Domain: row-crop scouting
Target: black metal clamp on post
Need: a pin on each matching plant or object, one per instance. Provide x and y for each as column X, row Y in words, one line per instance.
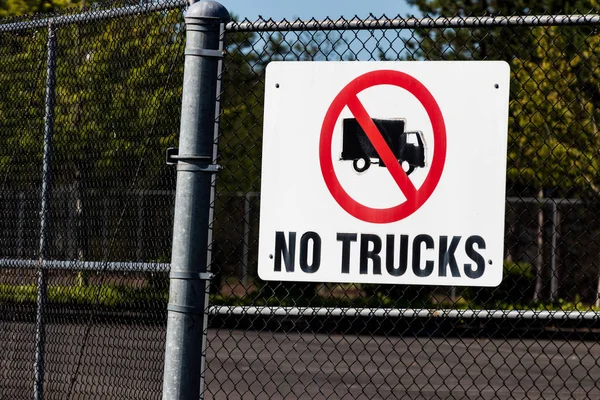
column 188, row 293
column 194, row 162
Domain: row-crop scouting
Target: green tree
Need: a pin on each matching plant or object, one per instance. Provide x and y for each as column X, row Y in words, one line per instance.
column 486, row 42
column 118, row 101
column 11, row 8
column 554, row 116
column 240, row 136
column 555, row 111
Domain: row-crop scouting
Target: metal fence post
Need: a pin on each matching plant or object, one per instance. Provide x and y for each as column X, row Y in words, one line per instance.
column 189, row 279
column 40, row 331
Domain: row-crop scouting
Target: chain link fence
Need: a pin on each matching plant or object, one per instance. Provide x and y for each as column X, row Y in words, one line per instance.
column 91, row 100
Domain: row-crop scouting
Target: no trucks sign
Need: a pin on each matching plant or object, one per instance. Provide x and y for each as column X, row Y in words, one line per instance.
column 384, row 172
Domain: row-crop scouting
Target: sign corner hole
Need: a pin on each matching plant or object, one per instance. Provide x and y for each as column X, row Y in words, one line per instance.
column 495, row 85
column 277, row 85
column 490, row 262
column 271, row 256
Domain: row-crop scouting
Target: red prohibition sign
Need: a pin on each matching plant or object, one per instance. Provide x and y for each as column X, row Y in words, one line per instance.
column 415, row 198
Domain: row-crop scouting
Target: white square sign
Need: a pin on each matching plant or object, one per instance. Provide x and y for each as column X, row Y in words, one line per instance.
column 384, row 172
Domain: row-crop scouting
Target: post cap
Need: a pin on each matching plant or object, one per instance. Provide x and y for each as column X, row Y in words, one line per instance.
column 207, row 9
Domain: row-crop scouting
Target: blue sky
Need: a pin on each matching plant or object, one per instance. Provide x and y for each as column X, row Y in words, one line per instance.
column 319, row 9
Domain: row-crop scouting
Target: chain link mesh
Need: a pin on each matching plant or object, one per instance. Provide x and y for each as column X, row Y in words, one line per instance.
column 110, row 200
column 119, row 71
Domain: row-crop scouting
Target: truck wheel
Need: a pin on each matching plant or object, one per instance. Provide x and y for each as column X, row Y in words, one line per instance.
column 366, row 164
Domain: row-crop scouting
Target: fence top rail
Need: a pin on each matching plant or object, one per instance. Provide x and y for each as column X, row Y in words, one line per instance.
column 263, row 25
column 355, row 23
column 92, row 15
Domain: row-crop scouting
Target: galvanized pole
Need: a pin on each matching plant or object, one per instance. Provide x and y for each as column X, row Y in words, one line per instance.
column 40, row 331
column 189, row 279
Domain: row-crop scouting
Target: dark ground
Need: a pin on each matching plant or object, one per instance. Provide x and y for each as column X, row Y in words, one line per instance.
column 121, row 361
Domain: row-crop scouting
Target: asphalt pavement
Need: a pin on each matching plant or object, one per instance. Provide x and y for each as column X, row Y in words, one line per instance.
column 118, row 361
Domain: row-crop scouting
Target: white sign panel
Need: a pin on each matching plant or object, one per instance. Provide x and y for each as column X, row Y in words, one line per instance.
column 384, row 172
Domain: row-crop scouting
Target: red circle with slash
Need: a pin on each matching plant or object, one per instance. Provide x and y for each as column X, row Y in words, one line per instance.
column 415, row 198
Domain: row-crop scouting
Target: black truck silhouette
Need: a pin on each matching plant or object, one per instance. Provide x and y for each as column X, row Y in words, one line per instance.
column 357, row 147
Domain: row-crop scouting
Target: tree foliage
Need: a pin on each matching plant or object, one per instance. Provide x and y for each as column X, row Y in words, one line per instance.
column 23, row 77
column 118, row 104
column 553, row 107
column 10, row 8
column 554, row 113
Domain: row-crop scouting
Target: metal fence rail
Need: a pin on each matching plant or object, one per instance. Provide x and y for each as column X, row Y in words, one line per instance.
column 92, row 99
column 89, row 17
column 403, row 313
column 411, row 23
